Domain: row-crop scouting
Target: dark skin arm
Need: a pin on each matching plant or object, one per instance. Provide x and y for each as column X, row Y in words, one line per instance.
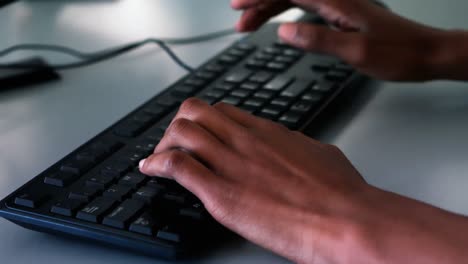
column 298, row 197
column 295, row 196
column 374, row 40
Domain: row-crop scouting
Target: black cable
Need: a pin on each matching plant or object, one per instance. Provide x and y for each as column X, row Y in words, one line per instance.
column 94, row 57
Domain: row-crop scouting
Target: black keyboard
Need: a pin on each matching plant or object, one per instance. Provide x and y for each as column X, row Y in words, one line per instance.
column 97, row 191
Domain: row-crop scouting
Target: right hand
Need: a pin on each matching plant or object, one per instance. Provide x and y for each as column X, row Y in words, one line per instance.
column 372, row 39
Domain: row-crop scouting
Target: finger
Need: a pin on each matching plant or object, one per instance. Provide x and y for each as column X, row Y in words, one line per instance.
column 209, row 118
column 254, row 17
column 185, row 134
column 184, row 169
column 245, row 4
column 247, row 120
column 345, row 45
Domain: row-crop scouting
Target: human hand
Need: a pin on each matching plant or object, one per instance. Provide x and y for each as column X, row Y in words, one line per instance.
column 275, row 187
column 374, row 40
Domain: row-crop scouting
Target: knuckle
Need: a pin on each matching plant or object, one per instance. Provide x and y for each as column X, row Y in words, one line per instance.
column 179, row 127
column 190, row 105
column 173, row 161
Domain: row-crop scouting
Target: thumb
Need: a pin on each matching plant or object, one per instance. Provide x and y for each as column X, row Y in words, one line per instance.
column 345, row 45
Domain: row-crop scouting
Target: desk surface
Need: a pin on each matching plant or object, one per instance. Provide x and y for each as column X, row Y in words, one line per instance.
column 407, row 138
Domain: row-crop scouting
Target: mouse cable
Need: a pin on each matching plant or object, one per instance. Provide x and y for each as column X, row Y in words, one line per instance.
column 88, row 58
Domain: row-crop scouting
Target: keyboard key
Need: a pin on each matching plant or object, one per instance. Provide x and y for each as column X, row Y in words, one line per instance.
column 171, row 233
column 225, row 86
column 208, row 99
column 117, row 192
column 236, row 52
column 121, row 215
column 99, row 181
column 196, row 211
column 156, row 183
column 282, row 101
column 296, row 89
column 146, row 146
column 250, row 86
column 285, row 59
column 255, row 102
column 312, row 97
column 256, row 64
column 279, row 83
column 215, row 68
column 302, row 106
column 277, row 66
column 264, row 56
column 130, row 128
column 132, row 157
column 206, row 75
column 146, row 194
column 272, row 50
column 145, row 224
column 115, row 169
column 249, row 109
column 246, row 46
column 31, row 200
column 94, row 211
column 273, row 111
column 232, row 100
column 323, row 86
column 321, row 67
column 83, row 193
column 292, row 53
column 155, row 110
column 67, row 207
column 264, row 94
column 184, row 91
column 261, row 77
column 133, row 179
column 291, row 119
column 215, row 93
column 337, row 76
column 195, row 82
column 238, row 76
column 175, row 197
column 60, row 179
column 241, row 93
column 77, row 167
column 228, row 60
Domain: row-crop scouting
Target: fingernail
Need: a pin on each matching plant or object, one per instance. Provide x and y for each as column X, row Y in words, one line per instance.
column 288, row 32
column 142, row 163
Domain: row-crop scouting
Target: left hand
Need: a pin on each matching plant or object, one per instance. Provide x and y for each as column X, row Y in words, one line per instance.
column 275, row 187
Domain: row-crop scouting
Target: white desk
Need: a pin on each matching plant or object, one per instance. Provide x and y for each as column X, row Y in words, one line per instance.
column 408, row 138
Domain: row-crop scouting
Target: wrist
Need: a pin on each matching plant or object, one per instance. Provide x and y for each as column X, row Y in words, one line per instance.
column 450, row 58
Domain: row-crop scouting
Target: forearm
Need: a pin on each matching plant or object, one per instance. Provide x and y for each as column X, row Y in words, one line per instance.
column 388, row 228
column 451, row 59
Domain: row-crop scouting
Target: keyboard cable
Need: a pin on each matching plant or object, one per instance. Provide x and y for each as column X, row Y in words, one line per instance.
column 88, row 58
